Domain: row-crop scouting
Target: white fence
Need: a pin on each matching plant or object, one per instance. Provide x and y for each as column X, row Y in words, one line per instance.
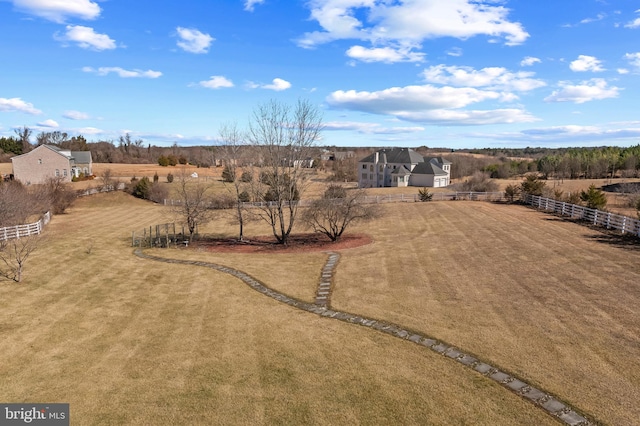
column 18, row 231
column 392, row 198
column 597, row 217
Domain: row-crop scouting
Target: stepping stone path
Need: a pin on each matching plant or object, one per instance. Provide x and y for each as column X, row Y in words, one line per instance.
column 323, row 294
column 538, row 397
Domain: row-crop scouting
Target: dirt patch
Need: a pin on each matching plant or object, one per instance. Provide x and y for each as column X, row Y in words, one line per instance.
column 298, row 243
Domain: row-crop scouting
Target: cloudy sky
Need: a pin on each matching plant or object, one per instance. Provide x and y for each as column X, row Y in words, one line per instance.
column 455, row 73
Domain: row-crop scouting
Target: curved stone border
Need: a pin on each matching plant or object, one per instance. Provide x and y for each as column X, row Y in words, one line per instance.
column 540, row 398
column 323, row 294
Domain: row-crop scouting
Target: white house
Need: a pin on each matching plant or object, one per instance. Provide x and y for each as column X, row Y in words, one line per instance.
column 397, row 167
column 46, row 161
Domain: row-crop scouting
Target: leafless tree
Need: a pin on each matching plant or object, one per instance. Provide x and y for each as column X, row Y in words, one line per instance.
column 16, row 204
column 108, row 181
column 24, row 135
column 331, row 216
column 14, row 254
column 233, row 150
column 193, row 208
column 285, row 138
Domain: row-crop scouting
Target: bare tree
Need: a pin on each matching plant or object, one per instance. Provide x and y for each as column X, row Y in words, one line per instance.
column 285, row 137
column 16, row 204
column 193, row 208
column 108, row 181
column 24, row 135
column 331, row 216
column 233, row 149
column 14, row 254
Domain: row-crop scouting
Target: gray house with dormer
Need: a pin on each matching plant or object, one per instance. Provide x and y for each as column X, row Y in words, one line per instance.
column 398, row 167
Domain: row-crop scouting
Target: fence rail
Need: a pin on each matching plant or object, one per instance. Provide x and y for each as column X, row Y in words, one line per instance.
column 391, row 198
column 19, row 231
column 608, row 220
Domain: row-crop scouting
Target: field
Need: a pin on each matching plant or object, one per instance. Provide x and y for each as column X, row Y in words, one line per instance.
column 127, row 340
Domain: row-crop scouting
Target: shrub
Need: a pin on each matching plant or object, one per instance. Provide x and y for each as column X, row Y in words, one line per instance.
column 170, row 178
column 228, row 175
column 156, row 178
column 246, row 176
column 511, row 192
column 425, row 195
column 172, row 160
column 182, row 160
column 163, row 161
column 142, row 188
column 158, row 192
column 479, row 182
column 532, row 185
column 335, row 191
column 594, row 197
column 244, row 197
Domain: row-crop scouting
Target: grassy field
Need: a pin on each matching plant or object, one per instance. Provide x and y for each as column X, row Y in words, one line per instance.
column 129, row 341
column 552, row 301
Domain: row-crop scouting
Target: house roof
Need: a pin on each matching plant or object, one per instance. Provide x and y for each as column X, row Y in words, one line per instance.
column 401, row 171
column 394, row 155
column 428, row 168
column 440, row 160
column 83, row 157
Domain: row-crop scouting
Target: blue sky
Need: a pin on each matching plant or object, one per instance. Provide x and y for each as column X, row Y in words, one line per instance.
column 455, row 73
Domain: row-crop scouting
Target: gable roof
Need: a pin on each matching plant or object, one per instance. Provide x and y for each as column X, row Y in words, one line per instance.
column 428, row 168
column 403, row 171
column 394, row 155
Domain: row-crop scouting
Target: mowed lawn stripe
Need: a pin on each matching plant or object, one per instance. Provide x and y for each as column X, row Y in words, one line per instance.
column 127, row 341
column 538, row 296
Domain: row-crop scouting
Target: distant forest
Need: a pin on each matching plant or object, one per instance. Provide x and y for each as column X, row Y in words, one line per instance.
column 559, row 163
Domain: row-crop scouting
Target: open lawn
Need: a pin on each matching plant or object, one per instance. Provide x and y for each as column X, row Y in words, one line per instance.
column 129, row 341
column 552, row 301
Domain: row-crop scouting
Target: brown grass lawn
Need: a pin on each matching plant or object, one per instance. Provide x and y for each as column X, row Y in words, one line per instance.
column 130, row 341
column 552, row 301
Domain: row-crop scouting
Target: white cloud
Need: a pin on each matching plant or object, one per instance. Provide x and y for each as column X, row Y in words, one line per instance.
column 121, row 72
column 495, row 78
column 455, row 51
column 17, row 104
column 409, row 23
column 59, row 10
column 49, row 123
column 76, row 115
column 86, row 38
column 599, row 17
column 369, row 128
column 634, row 60
column 529, row 60
column 216, row 82
column 623, row 71
column 194, row 41
column 572, row 134
column 249, row 5
column 447, row 117
column 635, row 23
column 594, row 89
column 277, row 84
column 586, row 63
column 384, row 54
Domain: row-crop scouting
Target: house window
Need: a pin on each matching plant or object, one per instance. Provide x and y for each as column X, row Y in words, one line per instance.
column 394, row 167
column 86, row 171
column 364, row 176
column 381, row 167
column 39, row 160
column 64, row 172
column 371, row 167
column 57, row 172
column 364, row 167
column 370, row 177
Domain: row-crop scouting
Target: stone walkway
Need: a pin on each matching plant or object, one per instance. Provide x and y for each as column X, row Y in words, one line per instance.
column 538, row 397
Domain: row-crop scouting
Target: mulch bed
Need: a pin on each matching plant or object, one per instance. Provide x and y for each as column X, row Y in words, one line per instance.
column 297, row 243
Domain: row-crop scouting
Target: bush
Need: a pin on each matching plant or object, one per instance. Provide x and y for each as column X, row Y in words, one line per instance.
column 425, row 195
column 246, row 177
column 228, row 175
column 170, row 178
column 142, row 188
column 244, row 197
column 479, row 182
column 335, row 191
column 594, row 198
column 511, row 192
column 156, row 178
column 163, row 161
column 158, row 193
column 532, row 185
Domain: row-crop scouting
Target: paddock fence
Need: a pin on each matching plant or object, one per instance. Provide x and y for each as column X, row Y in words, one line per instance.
column 381, row 199
column 19, row 231
column 162, row 235
column 625, row 224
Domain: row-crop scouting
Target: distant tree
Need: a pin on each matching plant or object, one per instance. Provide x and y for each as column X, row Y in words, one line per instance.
column 228, row 174
column 24, row 136
column 169, row 177
column 532, row 185
column 424, row 194
column 163, row 161
column 10, row 145
column 156, row 178
column 332, row 216
column 594, row 198
column 193, row 209
column 108, row 182
column 511, row 192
